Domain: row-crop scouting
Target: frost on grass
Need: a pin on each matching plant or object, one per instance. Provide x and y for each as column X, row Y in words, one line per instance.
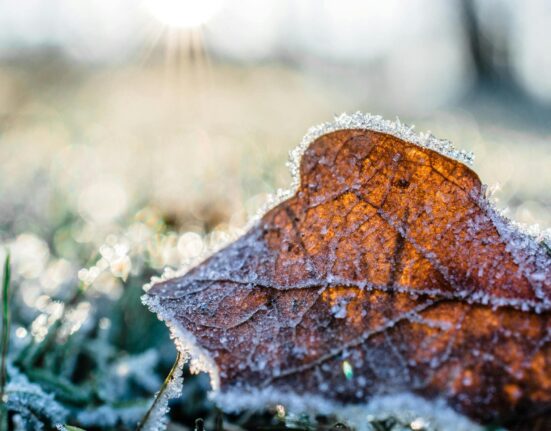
column 132, row 370
column 108, row 416
column 386, row 274
column 34, row 408
column 406, row 408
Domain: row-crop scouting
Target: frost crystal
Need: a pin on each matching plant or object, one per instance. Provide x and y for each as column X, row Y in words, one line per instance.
column 361, row 121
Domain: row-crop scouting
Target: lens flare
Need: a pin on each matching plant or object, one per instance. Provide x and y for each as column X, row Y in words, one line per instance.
column 184, row 14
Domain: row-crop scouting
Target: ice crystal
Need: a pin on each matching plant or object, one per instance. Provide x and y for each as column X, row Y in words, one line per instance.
column 361, row 121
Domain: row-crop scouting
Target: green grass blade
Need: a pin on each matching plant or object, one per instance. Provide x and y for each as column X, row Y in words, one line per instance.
column 5, row 338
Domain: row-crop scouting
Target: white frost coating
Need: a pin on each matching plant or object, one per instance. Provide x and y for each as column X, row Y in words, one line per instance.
column 376, row 123
column 405, row 407
column 526, row 240
column 186, row 343
column 190, row 351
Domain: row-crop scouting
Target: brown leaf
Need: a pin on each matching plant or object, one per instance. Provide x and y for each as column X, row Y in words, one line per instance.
column 387, row 272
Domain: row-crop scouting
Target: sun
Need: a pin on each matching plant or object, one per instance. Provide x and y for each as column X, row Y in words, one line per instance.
column 184, row 14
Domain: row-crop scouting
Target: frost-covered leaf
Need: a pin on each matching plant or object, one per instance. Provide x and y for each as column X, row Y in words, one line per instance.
column 386, row 276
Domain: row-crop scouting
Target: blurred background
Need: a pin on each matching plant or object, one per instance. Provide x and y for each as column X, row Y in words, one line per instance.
column 135, row 134
column 191, row 106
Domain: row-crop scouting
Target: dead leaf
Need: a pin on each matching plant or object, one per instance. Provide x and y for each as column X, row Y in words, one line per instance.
column 387, row 272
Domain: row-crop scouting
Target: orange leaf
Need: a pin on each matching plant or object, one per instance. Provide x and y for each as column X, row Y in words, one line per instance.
column 386, row 273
